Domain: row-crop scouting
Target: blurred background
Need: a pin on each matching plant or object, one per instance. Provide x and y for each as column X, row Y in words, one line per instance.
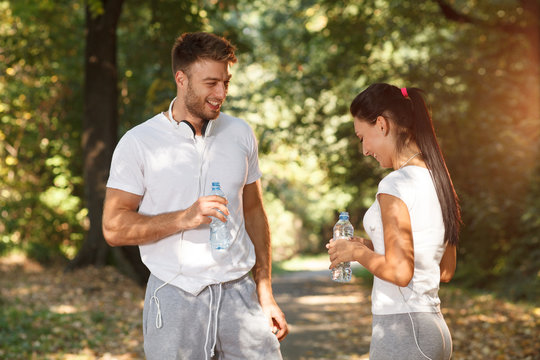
column 75, row 75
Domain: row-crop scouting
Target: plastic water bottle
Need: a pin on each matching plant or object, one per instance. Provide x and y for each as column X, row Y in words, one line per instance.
column 220, row 236
column 343, row 230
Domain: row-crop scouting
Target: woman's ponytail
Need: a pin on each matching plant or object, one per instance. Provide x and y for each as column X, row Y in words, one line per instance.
column 424, row 134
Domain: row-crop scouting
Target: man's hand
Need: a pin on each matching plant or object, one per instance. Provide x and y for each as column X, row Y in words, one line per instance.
column 276, row 318
column 123, row 225
column 199, row 213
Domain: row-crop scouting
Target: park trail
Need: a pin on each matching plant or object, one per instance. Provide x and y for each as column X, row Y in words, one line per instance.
column 66, row 316
column 327, row 320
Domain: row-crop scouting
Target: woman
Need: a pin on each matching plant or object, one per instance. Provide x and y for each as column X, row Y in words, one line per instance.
column 413, row 225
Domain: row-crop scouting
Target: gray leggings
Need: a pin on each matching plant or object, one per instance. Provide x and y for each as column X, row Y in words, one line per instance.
column 393, row 337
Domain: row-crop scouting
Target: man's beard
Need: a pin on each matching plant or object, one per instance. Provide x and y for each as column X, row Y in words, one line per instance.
column 197, row 106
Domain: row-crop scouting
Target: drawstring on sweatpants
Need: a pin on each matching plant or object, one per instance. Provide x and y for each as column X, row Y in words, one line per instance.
column 159, row 321
column 210, row 321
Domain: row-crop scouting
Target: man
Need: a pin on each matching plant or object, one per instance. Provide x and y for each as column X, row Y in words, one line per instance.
column 200, row 302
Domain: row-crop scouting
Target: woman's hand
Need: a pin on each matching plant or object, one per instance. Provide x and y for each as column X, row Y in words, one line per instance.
column 342, row 250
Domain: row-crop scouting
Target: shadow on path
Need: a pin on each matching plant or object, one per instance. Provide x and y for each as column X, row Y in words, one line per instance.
column 327, row 320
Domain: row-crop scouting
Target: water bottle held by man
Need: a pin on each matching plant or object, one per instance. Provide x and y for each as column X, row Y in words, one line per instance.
column 220, row 235
column 343, row 230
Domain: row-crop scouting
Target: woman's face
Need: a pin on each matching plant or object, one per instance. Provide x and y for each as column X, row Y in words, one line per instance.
column 375, row 140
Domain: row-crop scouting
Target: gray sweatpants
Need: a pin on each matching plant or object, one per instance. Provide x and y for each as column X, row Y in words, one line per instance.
column 178, row 325
column 393, row 337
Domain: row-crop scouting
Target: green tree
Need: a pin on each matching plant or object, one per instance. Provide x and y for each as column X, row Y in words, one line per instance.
column 479, row 66
column 100, row 120
column 494, row 78
column 40, row 188
column 145, row 48
column 48, row 209
column 300, row 64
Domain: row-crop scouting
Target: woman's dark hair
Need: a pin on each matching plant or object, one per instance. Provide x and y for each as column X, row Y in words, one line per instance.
column 191, row 47
column 411, row 117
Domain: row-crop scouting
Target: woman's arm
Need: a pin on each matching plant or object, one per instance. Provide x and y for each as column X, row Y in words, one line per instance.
column 448, row 263
column 397, row 264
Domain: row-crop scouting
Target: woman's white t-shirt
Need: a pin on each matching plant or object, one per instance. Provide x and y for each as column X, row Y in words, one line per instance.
column 414, row 186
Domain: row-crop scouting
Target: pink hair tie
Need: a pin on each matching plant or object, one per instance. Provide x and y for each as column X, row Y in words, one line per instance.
column 404, row 92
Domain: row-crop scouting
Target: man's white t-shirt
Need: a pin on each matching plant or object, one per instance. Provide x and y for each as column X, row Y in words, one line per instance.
column 168, row 166
column 414, row 186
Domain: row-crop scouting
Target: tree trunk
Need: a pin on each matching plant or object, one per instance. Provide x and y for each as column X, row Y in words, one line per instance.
column 100, row 127
column 532, row 9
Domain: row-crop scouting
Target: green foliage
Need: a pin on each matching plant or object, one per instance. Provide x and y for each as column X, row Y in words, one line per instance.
column 95, row 7
column 146, row 33
column 289, row 90
column 300, row 64
column 520, row 268
column 310, row 58
column 480, row 91
column 40, row 69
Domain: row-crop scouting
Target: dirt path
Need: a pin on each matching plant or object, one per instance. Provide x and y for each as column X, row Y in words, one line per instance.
column 92, row 313
column 327, row 320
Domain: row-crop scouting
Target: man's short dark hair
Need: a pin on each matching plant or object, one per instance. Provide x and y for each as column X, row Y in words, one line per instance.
column 191, row 47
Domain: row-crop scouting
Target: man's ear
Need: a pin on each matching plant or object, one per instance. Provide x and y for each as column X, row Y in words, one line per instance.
column 180, row 78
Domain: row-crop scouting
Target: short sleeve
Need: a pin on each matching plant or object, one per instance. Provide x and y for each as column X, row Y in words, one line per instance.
column 398, row 185
column 254, row 172
column 127, row 170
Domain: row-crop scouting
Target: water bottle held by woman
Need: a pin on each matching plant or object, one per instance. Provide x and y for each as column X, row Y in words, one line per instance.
column 343, row 230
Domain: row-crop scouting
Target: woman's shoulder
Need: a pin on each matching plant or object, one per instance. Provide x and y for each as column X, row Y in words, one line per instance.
column 411, row 173
column 405, row 180
column 398, row 176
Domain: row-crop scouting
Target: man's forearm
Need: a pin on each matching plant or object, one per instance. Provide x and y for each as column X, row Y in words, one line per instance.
column 131, row 228
column 259, row 232
column 123, row 225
